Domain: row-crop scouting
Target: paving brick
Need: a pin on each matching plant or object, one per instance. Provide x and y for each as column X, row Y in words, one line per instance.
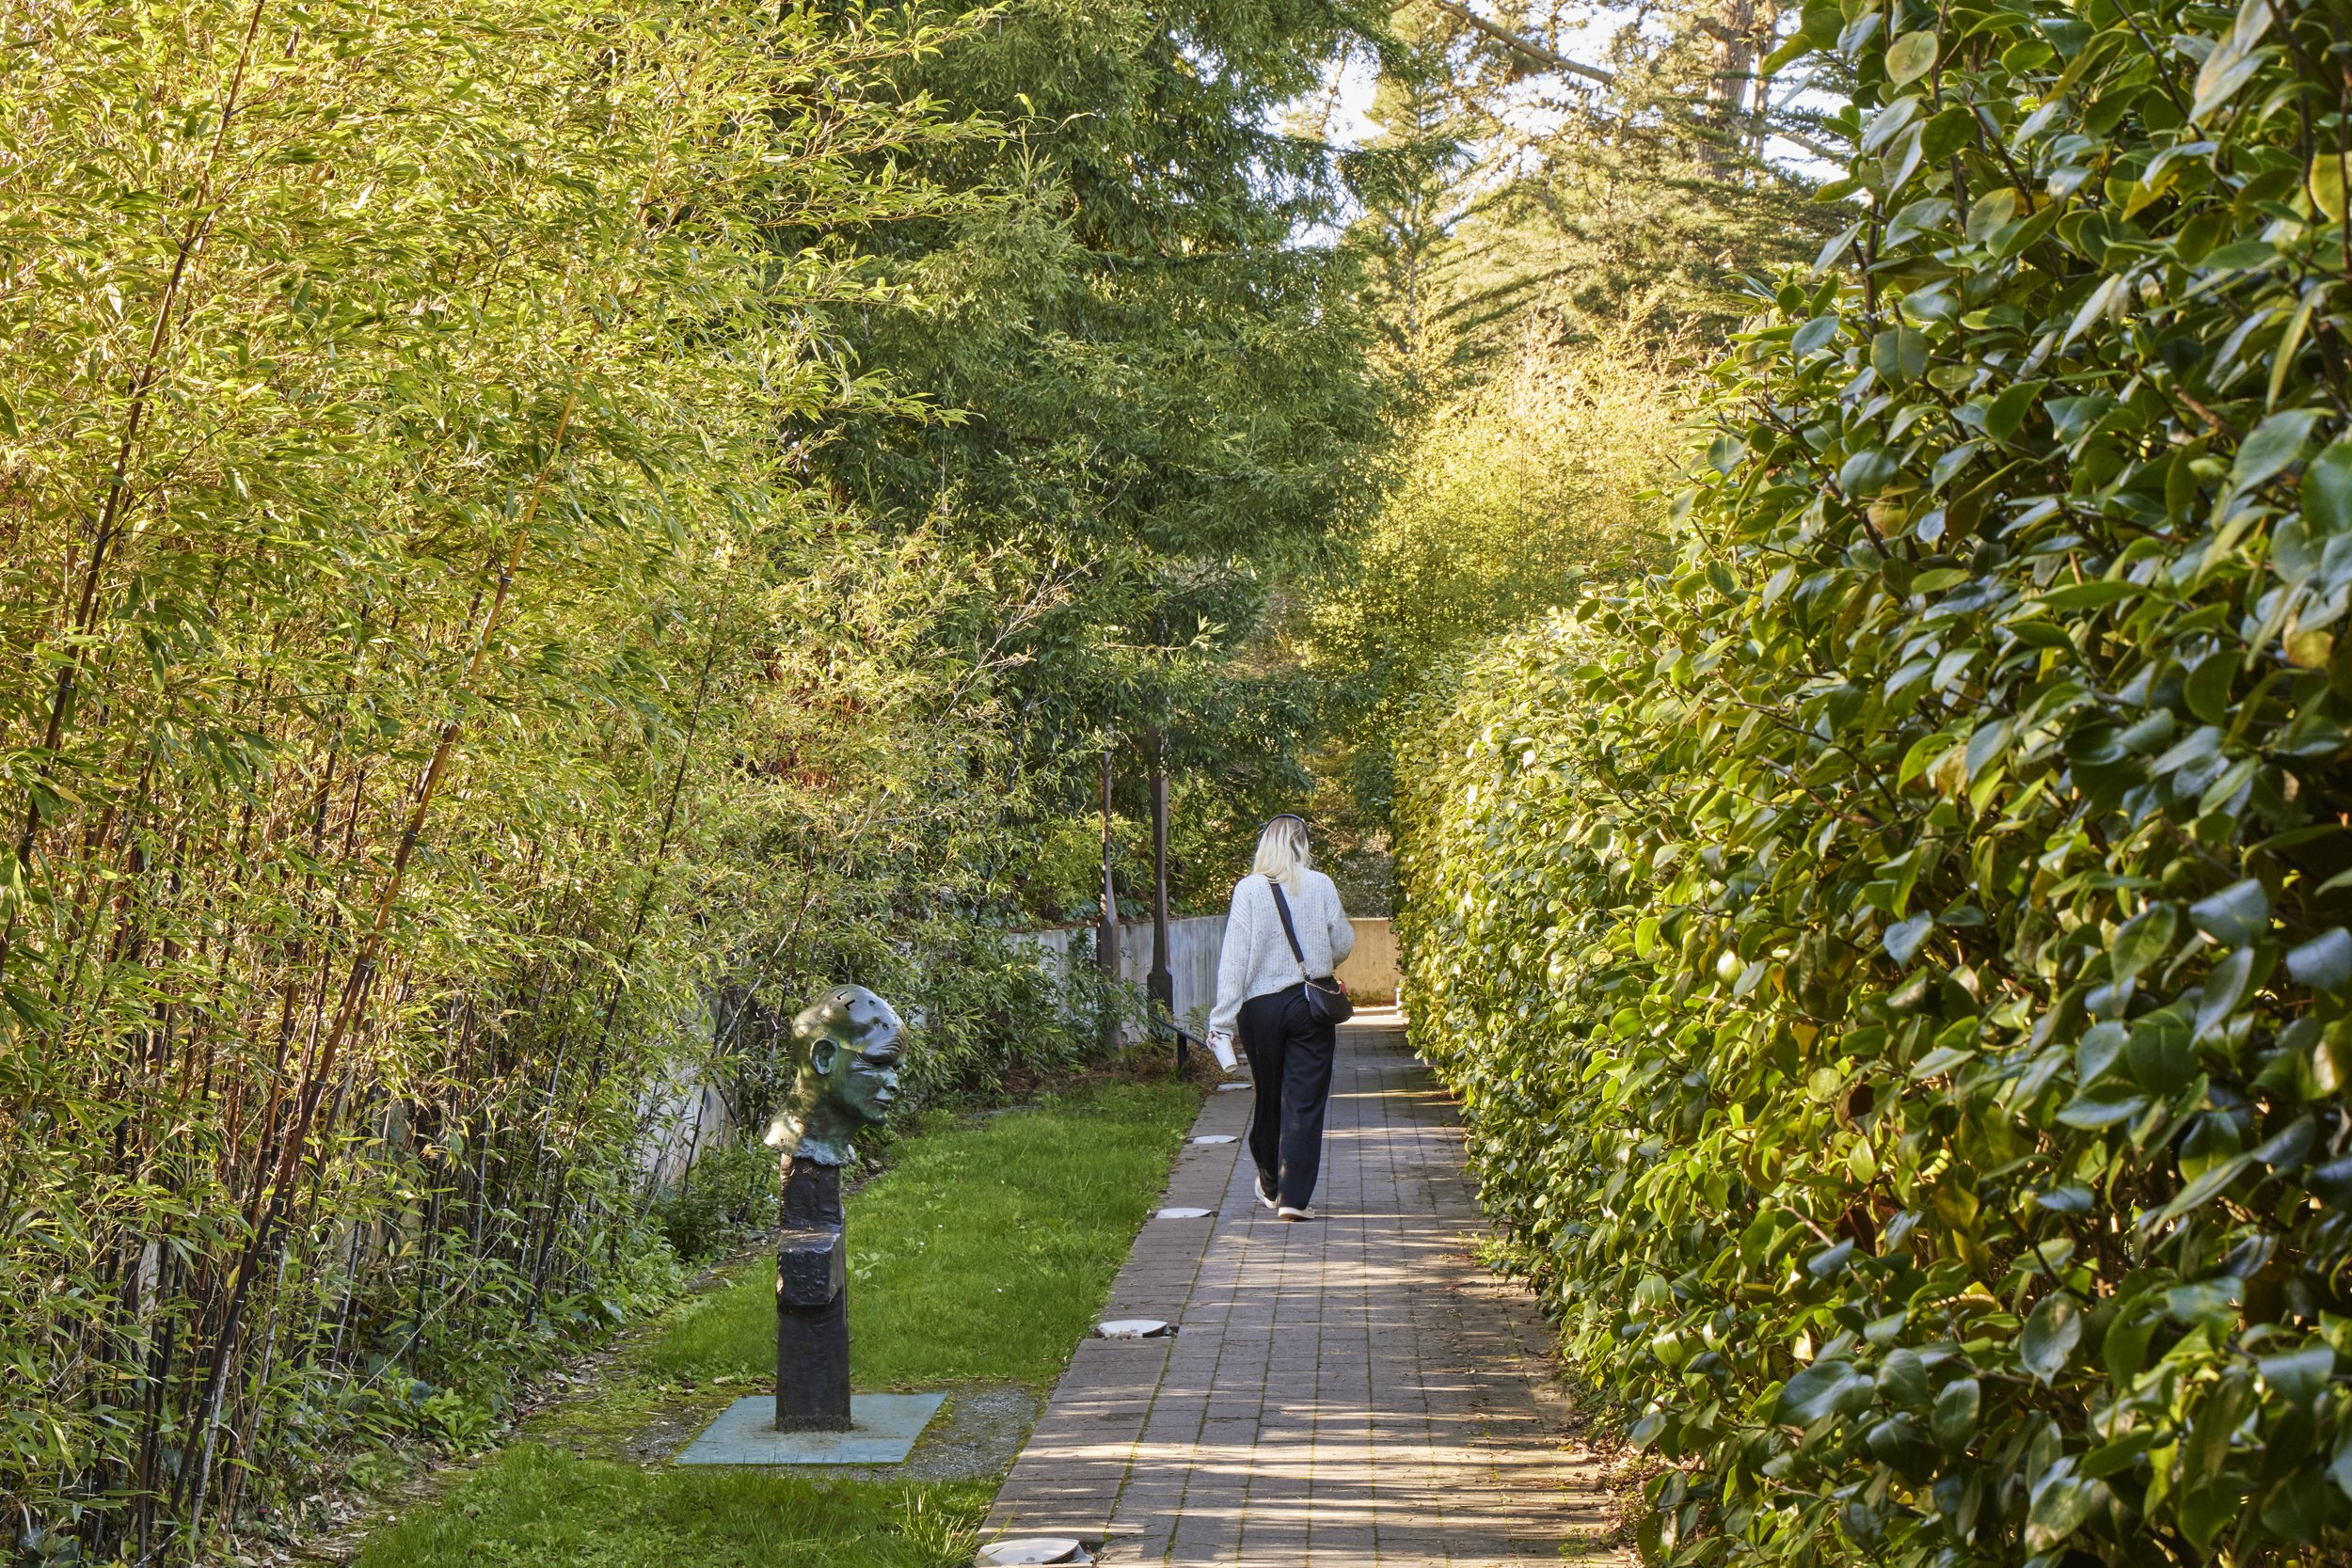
column 1353, row 1392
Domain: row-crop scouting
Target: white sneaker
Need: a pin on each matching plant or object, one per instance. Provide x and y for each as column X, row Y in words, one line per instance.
column 1290, row 1213
column 1264, row 1197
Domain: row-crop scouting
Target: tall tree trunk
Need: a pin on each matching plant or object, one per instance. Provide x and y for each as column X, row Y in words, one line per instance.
column 1734, row 31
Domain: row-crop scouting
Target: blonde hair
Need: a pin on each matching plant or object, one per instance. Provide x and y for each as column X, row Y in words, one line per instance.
column 1282, row 852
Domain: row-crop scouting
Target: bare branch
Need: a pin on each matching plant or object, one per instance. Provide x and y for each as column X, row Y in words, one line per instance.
column 1527, row 48
column 1551, row 59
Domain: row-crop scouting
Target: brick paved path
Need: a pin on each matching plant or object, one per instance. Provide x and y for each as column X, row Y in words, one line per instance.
column 1355, row 1390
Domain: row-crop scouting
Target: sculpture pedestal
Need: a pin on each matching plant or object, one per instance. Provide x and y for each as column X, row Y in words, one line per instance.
column 845, row 1075
column 811, row 1303
column 813, row 1421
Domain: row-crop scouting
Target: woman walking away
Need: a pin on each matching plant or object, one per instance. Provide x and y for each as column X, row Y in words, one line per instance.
column 1287, row 933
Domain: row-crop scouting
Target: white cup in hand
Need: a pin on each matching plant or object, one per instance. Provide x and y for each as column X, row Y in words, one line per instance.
column 1221, row 1047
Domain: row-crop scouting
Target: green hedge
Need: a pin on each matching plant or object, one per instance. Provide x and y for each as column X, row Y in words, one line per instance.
column 1897, row 972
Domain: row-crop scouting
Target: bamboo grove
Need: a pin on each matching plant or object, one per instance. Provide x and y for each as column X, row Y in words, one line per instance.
column 428, row 676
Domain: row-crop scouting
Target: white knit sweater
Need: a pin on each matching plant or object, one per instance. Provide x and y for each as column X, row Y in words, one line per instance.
column 1257, row 961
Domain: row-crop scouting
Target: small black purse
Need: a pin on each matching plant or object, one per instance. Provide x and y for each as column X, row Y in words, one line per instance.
column 1327, row 998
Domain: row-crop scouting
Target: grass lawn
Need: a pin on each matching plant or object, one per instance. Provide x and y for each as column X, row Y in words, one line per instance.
column 980, row 1255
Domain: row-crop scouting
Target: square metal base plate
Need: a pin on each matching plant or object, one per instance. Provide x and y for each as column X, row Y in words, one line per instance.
column 883, row 1432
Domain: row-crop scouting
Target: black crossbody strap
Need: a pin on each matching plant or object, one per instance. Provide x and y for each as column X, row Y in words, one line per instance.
column 1282, row 908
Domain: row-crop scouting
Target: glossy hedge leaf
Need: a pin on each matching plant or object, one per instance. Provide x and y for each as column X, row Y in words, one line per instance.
column 2327, row 491
column 1867, row 471
column 2332, row 1182
column 1904, row 938
column 2238, row 914
column 1836, row 248
column 2144, row 939
column 2025, row 782
column 1899, row 354
column 2100, row 1048
column 2224, row 988
column 1911, row 57
column 2340, row 1468
column 2051, row 1334
column 2300, row 1374
column 1902, row 1380
column 1956, row 1408
column 2299, row 1508
column 2206, row 1187
column 2326, row 182
column 1824, row 1388
column 1814, row 336
column 2277, row 442
column 2325, row 962
column 2063, row 1505
column 2207, row 1508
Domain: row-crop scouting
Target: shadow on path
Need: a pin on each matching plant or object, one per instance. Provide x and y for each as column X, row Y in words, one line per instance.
column 1355, row 1390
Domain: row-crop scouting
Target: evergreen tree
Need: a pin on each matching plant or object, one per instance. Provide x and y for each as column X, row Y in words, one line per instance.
column 1159, row 402
column 1647, row 187
column 1556, row 238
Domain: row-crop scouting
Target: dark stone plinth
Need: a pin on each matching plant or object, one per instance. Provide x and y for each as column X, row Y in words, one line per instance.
column 811, row 1269
column 811, row 1303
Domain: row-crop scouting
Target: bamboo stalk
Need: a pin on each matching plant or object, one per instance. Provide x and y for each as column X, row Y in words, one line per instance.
column 111, row 511
column 361, row 975
column 637, row 923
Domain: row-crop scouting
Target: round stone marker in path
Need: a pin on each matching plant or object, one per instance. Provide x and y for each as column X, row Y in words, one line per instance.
column 1217, row 1138
column 1184, row 1213
column 1133, row 1328
column 1035, row 1549
column 1234, row 1088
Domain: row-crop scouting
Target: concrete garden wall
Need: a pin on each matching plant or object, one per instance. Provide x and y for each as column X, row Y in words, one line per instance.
column 1194, row 943
column 683, row 1115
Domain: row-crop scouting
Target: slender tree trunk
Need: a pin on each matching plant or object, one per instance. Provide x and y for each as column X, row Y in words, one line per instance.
column 1734, row 32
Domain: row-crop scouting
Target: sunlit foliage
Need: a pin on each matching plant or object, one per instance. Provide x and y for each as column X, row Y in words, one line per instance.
column 432, row 690
column 1898, row 970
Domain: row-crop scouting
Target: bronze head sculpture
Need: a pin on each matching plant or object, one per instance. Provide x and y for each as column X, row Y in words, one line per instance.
column 845, row 1054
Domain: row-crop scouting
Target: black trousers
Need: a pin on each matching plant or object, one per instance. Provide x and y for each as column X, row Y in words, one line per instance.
column 1290, row 1057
